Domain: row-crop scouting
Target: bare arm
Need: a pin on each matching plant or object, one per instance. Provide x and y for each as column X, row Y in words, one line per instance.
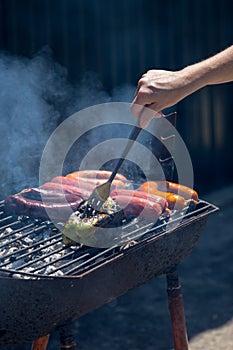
column 159, row 89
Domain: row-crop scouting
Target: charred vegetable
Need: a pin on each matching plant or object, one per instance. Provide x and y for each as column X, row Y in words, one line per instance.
column 95, row 230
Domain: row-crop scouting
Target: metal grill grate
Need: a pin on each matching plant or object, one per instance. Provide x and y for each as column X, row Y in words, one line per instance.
column 33, row 248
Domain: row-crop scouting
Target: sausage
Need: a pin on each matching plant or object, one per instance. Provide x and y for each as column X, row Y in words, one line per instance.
column 96, row 174
column 87, row 182
column 17, row 204
column 140, row 194
column 184, row 191
column 135, row 206
column 64, row 180
column 49, row 195
column 81, row 185
column 66, row 189
column 175, row 201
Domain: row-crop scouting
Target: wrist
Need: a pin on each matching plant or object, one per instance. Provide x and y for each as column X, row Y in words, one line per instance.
column 194, row 77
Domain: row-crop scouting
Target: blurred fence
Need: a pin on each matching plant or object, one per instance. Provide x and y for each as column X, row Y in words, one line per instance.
column 120, row 40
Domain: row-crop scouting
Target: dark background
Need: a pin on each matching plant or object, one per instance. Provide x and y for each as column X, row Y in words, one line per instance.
column 117, row 41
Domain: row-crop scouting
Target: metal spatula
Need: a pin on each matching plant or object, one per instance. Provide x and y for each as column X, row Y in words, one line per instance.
column 101, row 193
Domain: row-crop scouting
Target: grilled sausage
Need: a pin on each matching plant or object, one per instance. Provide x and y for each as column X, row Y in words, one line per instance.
column 17, row 204
column 175, row 201
column 66, row 189
column 87, row 182
column 96, row 174
column 85, row 187
column 49, row 195
column 64, row 180
column 81, row 185
column 140, row 194
column 135, row 206
column 184, row 191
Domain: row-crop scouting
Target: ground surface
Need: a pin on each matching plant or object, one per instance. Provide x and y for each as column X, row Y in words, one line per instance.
column 139, row 320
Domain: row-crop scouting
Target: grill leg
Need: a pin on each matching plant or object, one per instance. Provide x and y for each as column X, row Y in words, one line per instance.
column 41, row 343
column 67, row 340
column 176, row 308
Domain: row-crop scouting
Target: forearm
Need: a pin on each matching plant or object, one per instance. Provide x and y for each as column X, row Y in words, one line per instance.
column 159, row 89
column 214, row 70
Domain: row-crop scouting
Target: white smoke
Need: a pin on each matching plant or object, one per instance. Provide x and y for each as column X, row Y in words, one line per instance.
column 35, row 96
column 30, row 94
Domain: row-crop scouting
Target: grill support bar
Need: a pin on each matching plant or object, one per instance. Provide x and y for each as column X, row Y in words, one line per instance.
column 176, row 308
column 67, row 341
column 40, row 343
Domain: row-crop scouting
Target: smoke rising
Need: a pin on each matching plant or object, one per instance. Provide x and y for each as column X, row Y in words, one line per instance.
column 35, row 96
column 31, row 92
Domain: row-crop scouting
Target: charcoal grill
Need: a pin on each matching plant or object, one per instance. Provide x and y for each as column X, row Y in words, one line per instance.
column 45, row 284
column 81, row 278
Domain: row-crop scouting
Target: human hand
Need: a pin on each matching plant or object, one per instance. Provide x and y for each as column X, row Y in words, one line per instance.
column 157, row 89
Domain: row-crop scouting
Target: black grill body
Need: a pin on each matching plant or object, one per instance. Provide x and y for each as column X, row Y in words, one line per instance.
column 32, row 305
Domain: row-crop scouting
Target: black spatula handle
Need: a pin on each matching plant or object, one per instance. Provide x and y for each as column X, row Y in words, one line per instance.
column 133, row 136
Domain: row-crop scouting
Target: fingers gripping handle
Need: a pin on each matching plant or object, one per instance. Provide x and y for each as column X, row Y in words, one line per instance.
column 146, row 115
